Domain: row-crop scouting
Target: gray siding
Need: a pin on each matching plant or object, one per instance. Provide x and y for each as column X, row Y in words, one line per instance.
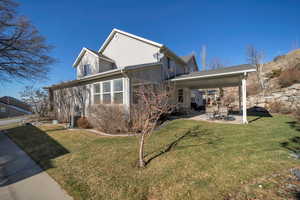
column 152, row 75
column 88, row 58
column 175, row 68
column 97, row 65
column 105, row 66
column 126, row 51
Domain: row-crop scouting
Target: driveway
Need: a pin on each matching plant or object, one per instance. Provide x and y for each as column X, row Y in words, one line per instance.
column 22, row 179
column 13, row 120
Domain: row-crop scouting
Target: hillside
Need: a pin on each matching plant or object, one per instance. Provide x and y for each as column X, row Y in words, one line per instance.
column 281, row 79
column 272, row 70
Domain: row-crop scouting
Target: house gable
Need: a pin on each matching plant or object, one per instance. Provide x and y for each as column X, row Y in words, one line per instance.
column 96, row 62
column 127, row 49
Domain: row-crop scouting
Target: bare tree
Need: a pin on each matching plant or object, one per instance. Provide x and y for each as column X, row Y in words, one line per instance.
column 37, row 98
column 81, row 94
column 216, row 63
column 256, row 57
column 64, row 101
column 153, row 101
column 23, row 51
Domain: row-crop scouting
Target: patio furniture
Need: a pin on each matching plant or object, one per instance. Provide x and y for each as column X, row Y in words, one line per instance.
column 211, row 111
column 223, row 112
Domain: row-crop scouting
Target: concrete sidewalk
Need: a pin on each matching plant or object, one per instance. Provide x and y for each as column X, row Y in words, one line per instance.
column 12, row 120
column 22, row 179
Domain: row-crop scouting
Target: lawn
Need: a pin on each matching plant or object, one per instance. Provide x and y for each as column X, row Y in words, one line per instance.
column 186, row 159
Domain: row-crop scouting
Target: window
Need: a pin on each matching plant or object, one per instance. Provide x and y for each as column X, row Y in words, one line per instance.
column 108, row 92
column 87, row 69
column 118, row 91
column 180, row 96
column 168, row 63
column 97, row 95
column 2, row 109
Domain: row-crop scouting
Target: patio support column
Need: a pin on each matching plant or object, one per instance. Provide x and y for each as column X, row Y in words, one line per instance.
column 244, row 99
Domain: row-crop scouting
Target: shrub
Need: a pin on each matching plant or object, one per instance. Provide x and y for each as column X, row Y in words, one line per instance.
column 279, row 107
column 275, row 73
column 289, row 76
column 253, row 89
column 275, row 107
column 83, row 122
column 110, row 119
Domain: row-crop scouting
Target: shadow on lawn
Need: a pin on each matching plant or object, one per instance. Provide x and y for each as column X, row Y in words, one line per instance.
column 258, row 112
column 294, row 125
column 194, row 133
column 292, row 145
column 38, row 145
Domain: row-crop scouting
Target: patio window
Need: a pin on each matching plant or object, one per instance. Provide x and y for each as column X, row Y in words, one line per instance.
column 109, row 92
column 180, row 96
column 118, row 91
column 106, row 92
column 97, row 94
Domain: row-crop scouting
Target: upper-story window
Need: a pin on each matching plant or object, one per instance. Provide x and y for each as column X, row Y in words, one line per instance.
column 87, row 70
column 168, row 62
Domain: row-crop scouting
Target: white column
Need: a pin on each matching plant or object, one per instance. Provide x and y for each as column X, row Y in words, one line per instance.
column 240, row 102
column 244, row 99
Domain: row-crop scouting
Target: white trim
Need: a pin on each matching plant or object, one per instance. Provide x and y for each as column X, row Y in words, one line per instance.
column 111, row 92
column 102, row 73
column 211, row 75
column 114, row 31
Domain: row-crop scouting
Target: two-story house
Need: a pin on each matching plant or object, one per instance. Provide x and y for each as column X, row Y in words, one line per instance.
column 110, row 74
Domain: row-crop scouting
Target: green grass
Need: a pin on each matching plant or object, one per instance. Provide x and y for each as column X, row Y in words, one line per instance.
column 188, row 159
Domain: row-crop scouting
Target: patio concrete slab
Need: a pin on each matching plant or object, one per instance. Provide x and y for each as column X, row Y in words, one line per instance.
column 201, row 116
column 22, row 179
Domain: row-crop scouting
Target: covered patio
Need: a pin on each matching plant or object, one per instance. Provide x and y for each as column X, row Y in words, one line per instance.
column 235, row 76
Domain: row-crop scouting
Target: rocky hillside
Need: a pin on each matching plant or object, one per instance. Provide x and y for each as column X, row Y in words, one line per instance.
column 272, row 70
column 281, row 79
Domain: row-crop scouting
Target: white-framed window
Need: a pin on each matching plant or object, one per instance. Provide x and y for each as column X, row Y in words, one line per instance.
column 109, row 92
column 97, row 93
column 118, row 91
column 2, row 109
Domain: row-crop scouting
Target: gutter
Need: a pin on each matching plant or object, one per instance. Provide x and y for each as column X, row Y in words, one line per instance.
column 122, row 70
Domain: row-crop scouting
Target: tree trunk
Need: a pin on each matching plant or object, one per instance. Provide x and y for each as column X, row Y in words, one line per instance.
column 141, row 153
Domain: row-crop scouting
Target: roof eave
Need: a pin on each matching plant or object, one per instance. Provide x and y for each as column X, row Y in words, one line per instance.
column 215, row 75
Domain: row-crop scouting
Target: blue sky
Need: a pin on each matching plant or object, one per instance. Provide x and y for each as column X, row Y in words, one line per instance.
column 226, row 27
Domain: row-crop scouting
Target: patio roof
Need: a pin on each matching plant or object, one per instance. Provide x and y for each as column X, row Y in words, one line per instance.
column 224, row 77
